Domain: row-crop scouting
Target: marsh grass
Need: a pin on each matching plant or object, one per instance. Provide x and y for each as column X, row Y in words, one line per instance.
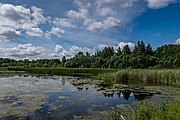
column 162, row 112
column 65, row 71
column 143, row 76
column 149, row 111
column 3, row 69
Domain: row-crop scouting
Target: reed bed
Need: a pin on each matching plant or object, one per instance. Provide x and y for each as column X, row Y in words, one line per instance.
column 163, row 112
column 142, row 76
column 149, row 111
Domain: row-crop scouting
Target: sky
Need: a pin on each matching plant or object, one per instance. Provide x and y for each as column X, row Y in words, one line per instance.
column 35, row 29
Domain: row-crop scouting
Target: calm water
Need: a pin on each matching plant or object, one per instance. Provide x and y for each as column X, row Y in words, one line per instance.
column 56, row 98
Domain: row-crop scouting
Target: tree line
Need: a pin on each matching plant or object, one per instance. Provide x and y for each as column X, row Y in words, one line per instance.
column 143, row 56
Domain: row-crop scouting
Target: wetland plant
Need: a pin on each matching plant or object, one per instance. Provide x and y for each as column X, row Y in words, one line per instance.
column 143, row 76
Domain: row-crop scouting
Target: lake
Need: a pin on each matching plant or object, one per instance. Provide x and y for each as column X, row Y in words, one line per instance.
column 30, row 97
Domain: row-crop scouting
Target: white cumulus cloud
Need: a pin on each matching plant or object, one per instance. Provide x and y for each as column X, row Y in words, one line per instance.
column 59, row 48
column 63, row 22
column 109, row 22
column 155, row 4
column 81, row 14
column 29, row 51
column 37, row 14
column 15, row 19
column 75, row 49
column 23, row 51
column 122, row 44
column 82, row 3
column 178, row 41
column 102, row 46
column 57, row 32
column 106, row 11
column 9, row 34
column 35, row 32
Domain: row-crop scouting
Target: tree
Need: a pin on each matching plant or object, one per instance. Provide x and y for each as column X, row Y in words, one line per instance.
column 45, row 65
column 119, row 52
column 63, row 60
column 126, row 50
column 142, row 57
column 98, row 62
column 139, row 48
column 79, row 54
column 87, row 54
column 149, row 50
column 69, row 64
column 176, row 62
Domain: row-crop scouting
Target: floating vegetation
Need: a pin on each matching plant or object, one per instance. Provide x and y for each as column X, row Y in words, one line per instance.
column 21, row 106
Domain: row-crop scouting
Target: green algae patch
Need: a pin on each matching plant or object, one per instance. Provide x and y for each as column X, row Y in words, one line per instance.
column 25, row 104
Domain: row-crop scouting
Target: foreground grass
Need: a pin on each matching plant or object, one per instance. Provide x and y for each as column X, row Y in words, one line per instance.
column 143, row 111
column 149, row 111
column 65, row 71
column 142, row 76
column 163, row 112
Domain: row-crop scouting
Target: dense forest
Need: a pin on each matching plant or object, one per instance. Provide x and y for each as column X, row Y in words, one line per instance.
column 143, row 56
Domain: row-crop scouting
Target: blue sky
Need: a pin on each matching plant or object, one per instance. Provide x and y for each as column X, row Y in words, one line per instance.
column 53, row 28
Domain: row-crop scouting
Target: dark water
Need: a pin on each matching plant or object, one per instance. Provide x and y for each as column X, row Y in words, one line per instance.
column 56, row 98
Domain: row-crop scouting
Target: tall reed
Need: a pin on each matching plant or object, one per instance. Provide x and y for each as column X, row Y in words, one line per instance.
column 144, row 76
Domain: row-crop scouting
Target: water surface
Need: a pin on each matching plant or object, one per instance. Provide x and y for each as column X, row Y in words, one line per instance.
column 57, row 98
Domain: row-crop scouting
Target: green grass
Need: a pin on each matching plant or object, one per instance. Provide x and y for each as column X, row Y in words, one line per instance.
column 111, row 76
column 142, row 76
column 3, row 69
column 163, row 112
column 144, row 111
column 149, row 111
column 64, row 71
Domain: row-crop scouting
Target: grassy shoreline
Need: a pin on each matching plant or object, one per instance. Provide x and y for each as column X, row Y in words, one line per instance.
column 144, row 111
column 150, row 111
column 170, row 111
column 65, row 71
column 142, row 76
column 114, row 76
column 4, row 70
